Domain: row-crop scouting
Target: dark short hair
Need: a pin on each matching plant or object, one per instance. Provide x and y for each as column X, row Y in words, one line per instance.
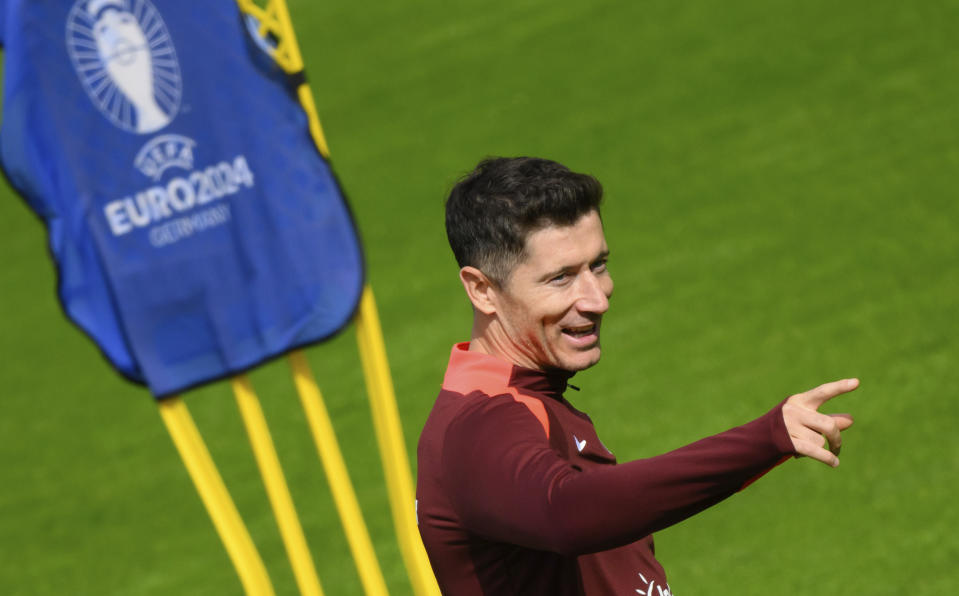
column 491, row 211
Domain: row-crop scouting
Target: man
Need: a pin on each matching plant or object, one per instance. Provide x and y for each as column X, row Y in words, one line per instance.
column 515, row 492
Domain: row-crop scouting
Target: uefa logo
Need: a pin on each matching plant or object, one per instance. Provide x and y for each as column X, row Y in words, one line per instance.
column 125, row 58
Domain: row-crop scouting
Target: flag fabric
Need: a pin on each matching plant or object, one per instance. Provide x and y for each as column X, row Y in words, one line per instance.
column 196, row 229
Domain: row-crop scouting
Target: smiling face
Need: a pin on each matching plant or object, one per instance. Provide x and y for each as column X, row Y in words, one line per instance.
column 547, row 314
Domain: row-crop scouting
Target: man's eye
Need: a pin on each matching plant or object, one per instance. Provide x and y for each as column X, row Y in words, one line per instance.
column 599, row 266
column 559, row 278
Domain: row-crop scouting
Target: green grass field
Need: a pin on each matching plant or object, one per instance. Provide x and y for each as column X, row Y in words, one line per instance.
column 778, row 180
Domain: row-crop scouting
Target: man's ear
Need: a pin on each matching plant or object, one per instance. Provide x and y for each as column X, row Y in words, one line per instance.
column 480, row 289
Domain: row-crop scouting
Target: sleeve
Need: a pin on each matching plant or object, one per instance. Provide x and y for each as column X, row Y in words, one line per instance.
column 508, row 485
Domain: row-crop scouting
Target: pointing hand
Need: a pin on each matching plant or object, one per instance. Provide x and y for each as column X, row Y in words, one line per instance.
column 809, row 429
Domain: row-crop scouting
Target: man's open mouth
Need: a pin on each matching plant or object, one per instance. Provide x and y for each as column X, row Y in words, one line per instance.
column 580, row 331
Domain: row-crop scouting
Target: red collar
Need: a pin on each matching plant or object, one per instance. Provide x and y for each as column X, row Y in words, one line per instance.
column 474, row 371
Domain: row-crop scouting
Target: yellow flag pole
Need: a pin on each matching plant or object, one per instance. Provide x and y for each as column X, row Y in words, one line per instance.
column 277, row 490
column 343, row 494
column 229, row 525
column 275, row 18
column 389, row 435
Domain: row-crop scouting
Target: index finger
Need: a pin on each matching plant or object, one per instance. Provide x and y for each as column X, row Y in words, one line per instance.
column 825, row 392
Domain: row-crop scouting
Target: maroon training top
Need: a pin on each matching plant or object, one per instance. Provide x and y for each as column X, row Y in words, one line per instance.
column 517, row 495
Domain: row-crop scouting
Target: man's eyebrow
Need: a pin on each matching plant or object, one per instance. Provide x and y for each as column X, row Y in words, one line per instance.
column 602, row 256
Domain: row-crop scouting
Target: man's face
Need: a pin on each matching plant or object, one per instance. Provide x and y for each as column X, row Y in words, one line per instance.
column 551, row 306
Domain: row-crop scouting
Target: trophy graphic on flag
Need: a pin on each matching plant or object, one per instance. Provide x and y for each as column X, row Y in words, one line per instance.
column 126, row 61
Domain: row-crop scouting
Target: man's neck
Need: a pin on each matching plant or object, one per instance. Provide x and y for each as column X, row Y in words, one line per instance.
column 489, row 337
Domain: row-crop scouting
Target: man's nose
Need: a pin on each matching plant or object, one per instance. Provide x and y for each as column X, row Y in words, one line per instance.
column 595, row 291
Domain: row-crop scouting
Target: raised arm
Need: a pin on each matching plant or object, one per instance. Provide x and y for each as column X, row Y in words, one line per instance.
column 512, row 487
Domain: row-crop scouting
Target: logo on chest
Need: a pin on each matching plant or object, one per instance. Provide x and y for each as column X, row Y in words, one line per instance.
column 580, row 444
column 649, row 588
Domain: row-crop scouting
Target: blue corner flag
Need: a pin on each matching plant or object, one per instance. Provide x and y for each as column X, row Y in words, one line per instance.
column 196, row 229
